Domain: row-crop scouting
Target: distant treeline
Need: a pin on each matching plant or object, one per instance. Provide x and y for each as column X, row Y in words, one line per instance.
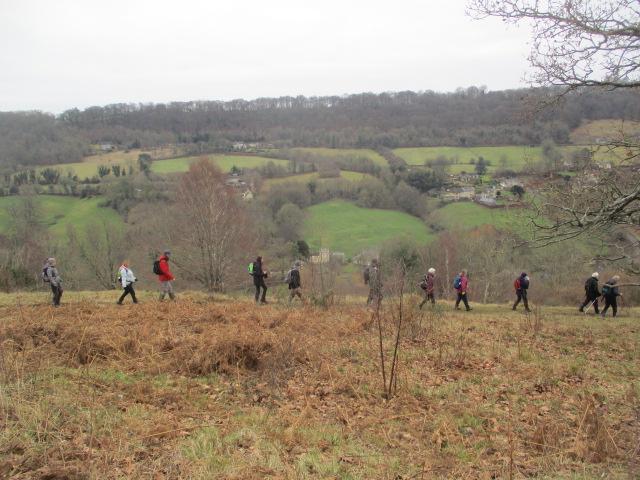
column 466, row 117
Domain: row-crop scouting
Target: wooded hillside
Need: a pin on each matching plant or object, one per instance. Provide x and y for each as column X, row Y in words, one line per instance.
column 467, row 117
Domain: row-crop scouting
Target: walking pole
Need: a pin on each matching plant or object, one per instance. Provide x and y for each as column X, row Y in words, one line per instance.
column 587, row 309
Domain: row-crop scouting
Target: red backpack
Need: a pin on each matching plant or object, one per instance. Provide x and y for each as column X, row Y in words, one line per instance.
column 516, row 284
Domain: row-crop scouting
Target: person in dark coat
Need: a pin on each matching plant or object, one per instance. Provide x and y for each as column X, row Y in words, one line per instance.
column 428, row 280
column 295, row 282
column 611, row 293
column 53, row 277
column 375, row 284
column 591, row 293
column 523, row 282
column 259, row 274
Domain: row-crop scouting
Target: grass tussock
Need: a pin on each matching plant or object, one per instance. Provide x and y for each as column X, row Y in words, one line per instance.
column 230, row 390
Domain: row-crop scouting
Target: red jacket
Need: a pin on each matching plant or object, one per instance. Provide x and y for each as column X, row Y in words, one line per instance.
column 164, row 268
column 463, row 285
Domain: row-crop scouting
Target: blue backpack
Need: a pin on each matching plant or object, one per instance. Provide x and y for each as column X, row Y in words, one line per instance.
column 457, row 283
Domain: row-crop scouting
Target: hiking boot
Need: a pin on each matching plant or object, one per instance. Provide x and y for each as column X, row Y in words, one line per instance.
column 469, row 309
column 603, row 314
column 581, row 309
column 529, row 310
column 119, row 303
column 264, row 302
column 513, row 308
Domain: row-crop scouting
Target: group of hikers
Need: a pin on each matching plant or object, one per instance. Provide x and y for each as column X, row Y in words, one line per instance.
column 610, row 291
column 372, row 277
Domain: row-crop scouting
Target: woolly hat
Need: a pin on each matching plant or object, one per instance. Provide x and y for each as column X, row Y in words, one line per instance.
column 523, row 274
column 167, row 252
column 297, row 264
column 50, row 260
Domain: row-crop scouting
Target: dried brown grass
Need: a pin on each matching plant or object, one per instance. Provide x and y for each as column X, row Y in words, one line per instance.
column 231, row 390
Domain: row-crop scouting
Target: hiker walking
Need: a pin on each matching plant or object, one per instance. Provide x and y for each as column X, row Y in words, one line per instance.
column 610, row 293
column 591, row 293
column 460, row 284
column 294, row 281
column 428, row 285
column 127, row 278
column 521, row 285
column 164, row 276
column 259, row 274
column 50, row 274
column 375, row 284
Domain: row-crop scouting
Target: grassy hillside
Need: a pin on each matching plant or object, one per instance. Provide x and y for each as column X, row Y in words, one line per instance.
column 222, row 390
column 58, row 211
column 331, row 152
column 305, row 177
column 90, row 169
column 225, row 162
column 591, row 131
column 470, row 215
column 514, row 155
column 89, row 166
column 345, row 227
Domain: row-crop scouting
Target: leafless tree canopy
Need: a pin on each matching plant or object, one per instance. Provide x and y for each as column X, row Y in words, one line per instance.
column 213, row 227
column 576, row 43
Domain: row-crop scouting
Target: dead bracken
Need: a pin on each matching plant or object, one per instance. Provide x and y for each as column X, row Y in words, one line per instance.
column 225, row 390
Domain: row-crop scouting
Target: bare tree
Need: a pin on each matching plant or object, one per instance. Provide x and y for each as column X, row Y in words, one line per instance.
column 212, row 226
column 101, row 248
column 578, row 45
column 599, row 203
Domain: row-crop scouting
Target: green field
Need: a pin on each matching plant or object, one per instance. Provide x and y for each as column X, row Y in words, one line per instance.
column 345, row 227
column 305, row 177
column 225, row 162
column 88, row 169
column 470, row 215
column 331, row 152
column 512, row 157
column 59, row 211
column 515, row 156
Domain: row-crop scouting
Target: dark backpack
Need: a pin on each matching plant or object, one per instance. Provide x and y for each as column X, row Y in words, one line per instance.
column 457, row 283
column 287, row 279
column 607, row 290
column 156, row 267
column 366, row 275
column 423, row 283
column 516, row 284
column 45, row 274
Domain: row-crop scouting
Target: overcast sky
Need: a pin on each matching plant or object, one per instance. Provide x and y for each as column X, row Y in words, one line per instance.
column 62, row 54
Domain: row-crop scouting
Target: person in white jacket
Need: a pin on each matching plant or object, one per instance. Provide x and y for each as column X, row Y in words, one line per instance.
column 127, row 277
